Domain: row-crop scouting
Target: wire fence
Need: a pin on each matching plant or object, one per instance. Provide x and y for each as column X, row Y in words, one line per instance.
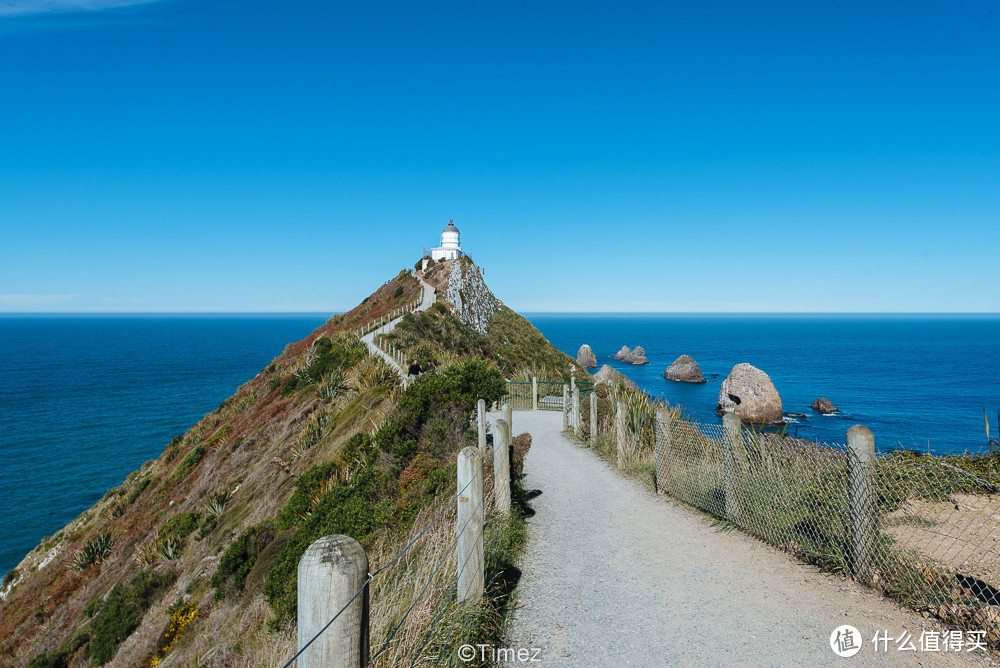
column 543, row 394
column 922, row 529
column 419, row 613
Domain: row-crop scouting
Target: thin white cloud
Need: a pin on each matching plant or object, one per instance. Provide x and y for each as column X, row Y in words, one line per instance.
column 34, row 302
column 29, row 7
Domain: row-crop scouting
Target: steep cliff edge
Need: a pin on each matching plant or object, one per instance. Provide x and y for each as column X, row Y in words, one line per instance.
column 191, row 560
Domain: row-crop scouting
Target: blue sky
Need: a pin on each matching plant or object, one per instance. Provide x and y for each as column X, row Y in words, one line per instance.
column 173, row 155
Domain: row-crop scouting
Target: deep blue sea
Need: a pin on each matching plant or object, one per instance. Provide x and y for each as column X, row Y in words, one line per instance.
column 919, row 382
column 86, row 400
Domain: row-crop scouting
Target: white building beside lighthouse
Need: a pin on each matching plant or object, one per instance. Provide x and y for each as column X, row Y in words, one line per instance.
column 450, row 248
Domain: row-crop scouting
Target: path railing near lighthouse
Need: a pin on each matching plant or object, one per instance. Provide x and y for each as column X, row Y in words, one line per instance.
column 922, row 529
column 543, row 395
column 423, row 603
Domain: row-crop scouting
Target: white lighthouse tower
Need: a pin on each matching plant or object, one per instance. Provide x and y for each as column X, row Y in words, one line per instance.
column 450, row 247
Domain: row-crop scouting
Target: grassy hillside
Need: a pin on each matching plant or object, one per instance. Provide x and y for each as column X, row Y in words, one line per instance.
column 193, row 556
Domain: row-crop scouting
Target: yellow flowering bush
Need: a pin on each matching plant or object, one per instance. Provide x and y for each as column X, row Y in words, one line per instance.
column 179, row 621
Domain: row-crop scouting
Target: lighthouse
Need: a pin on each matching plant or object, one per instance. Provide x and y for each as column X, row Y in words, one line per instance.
column 450, row 247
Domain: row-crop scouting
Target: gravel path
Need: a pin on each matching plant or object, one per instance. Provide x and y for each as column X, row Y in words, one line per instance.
column 614, row 575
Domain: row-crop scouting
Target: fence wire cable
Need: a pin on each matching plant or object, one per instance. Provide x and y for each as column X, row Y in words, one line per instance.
column 441, row 562
column 371, row 577
column 494, row 541
column 426, row 528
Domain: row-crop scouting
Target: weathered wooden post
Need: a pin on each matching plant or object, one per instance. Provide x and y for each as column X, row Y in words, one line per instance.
column 732, row 443
column 481, row 426
column 501, row 467
column 861, row 500
column 663, row 428
column 331, row 572
column 577, row 426
column 534, row 393
column 593, row 413
column 620, row 433
column 507, row 413
column 470, row 525
column 565, row 406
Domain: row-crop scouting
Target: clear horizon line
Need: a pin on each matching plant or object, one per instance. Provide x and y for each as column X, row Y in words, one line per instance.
column 624, row 313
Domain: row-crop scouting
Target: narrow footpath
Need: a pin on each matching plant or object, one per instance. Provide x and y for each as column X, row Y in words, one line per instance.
column 614, row 575
column 427, row 298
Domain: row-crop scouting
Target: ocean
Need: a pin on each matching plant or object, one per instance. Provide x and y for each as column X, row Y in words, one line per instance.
column 85, row 400
column 918, row 382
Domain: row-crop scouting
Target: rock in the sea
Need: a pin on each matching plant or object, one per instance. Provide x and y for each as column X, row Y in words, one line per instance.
column 824, row 406
column 611, row 377
column 586, row 358
column 637, row 356
column 684, row 370
column 749, row 392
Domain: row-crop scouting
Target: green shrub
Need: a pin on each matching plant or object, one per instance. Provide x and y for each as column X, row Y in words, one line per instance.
column 92, row 607
column 10, row 576
column 181, row 525
column 457, row 388
column 139, row 488
column 190, row 460
column 362, row 491
column 239, row 559
column 342, row 353
column 61, row 657
column 123, row 611
column 353, row 510
column 398, row 292
column 292, row 384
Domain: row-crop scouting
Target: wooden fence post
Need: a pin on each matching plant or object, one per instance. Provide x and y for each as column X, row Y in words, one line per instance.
column 534, row 393
column 593, row 413
column 507, row 413
column 620, row 433
column 732, row 442
column 663, row 428
column 861, row 500
column 577, row 422
column 565, row 407
column 470, row 525
column 331, row 572
column 501, row 467
column 481, row 425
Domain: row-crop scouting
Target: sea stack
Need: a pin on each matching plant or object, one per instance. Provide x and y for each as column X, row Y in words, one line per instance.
column 824, row 406
column 623, row 353
column 586, row 358
column 684, row 370
column 749, row 393
column 636, row 356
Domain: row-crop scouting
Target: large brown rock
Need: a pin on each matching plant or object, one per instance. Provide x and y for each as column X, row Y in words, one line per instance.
column 824, row 406
column 749, row 393
column 611, row 377
column 684, row 370
column 586, row 357
column 622, row 354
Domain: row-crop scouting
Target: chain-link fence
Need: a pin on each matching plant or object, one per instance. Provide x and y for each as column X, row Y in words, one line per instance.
column 923, row 529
